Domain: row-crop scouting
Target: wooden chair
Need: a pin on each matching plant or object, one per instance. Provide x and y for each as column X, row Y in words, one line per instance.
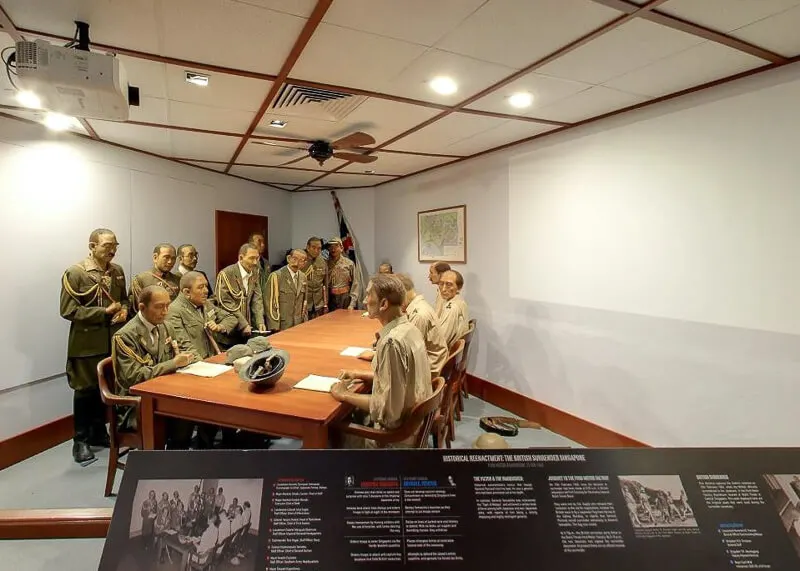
column 121, row 441
column 444, row 428
column 462, row 381
column 419, row 422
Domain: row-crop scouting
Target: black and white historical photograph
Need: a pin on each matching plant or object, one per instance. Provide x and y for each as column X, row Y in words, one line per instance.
column 785, row 493
column 179, row 525
column 657, row 501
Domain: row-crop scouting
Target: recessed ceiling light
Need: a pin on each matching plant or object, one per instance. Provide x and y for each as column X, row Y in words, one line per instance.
column 369, row 171
column 29, row 99
column 196, row 78
column 57, row 122
column 443, row 85
column 277, row 123
column 521, row 100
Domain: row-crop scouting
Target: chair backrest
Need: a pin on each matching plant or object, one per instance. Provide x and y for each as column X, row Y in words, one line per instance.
column 452, row 372
column 456, row 353
column 106, row 379
column 467, row 342
column 426, row 410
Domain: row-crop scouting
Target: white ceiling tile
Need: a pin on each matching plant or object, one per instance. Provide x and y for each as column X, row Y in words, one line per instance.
column 150, row 110
column 344, row 180
column 417, row 21
column 698, row 65
column 264, row 174
column 201, row 146
column 302, row 8
column 301, row 127
column 437, row 136
column 211, row 118
column 545, row 90
column 508, row 132
column 227, row 33
column 725, row 15
column 384, row 119
column 623, row 49
column 589, row 103
column 472, row 76
column 777, row 33
column 397, row 163
column 255, row 153
column 148, row 76
column 149, row 139
column 517, row 33
column 131, row 23
column 341, row 56
column 223, row 90
column 219, row 167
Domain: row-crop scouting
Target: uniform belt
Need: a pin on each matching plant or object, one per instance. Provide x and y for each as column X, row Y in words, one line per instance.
column 340, row 290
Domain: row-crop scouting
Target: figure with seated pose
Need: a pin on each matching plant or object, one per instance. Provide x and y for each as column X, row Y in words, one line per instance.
column 454, row 315
column 401, row 373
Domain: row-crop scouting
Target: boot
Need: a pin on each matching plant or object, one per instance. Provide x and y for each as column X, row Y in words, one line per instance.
column 82, row 417
column 98, row 435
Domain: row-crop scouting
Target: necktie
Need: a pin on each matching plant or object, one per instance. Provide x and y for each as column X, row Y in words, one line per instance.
column 297, row 281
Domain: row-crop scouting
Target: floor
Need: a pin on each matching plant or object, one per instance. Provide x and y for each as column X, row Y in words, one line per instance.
column 52, row 480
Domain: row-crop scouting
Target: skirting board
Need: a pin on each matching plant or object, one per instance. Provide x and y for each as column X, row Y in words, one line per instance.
column 55, row 523
column 36, row 440
column 558, row 421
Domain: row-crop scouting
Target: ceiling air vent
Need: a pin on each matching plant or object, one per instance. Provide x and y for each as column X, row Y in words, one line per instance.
column 314, row 102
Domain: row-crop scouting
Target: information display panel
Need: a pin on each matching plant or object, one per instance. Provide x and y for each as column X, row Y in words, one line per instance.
column 552, row 509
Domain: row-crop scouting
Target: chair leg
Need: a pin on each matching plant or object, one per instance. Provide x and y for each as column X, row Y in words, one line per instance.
column 113, row 457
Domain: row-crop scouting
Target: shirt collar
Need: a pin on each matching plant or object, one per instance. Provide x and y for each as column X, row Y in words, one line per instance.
column 183, row 269
column 391, row 325
column 147, row 324
column 245, row 273
column 91, row 264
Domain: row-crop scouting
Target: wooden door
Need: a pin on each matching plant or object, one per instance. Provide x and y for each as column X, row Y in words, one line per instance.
column 232, row 230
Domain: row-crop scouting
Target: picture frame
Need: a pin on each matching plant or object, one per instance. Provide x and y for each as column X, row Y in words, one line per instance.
column 442, row 235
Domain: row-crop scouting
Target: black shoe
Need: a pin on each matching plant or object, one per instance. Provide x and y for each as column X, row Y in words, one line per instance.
column 81, row 452
column 98, row 436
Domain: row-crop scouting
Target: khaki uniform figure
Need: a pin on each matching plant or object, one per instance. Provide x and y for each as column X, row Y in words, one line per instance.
column 420, row 314
column 401, row 372
column 315, row 269
column 345, row 288
column 146, row 348
column 435, row 272
column 287, row 294
column 454, row 317
column 239, row 292
column 93, row 300
column 159, row 275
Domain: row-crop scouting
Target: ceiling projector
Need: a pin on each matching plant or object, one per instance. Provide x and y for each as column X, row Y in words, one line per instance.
column 75, row 82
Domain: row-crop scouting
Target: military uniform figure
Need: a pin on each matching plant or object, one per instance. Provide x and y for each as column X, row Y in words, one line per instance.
column 93, row 300
column 287, row 294
column 160, row 275
column 258, row 240
column 239, row 291
column 454, row 316
column 315, row 269
column 345, row 288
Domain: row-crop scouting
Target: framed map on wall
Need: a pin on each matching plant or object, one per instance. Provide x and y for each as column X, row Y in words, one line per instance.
column 442, row 235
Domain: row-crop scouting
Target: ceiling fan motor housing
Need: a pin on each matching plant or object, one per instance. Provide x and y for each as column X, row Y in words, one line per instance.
column 321, row 151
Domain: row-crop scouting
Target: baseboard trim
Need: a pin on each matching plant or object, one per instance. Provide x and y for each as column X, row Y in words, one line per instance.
column 560, row 422
column 36, row 440
column 55, row 523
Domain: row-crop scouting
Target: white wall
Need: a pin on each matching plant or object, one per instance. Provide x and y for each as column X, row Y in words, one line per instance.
column 619, row 234
column 313, row 215
column 55, row 189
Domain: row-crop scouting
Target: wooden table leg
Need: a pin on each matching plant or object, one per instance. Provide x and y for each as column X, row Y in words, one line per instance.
column 153, row 427
column 315, row 436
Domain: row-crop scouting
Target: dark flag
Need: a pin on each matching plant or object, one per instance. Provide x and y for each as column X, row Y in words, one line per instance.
column 349, row 243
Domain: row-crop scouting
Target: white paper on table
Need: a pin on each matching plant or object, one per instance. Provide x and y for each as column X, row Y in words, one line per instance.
column 353, row 351
column 203, row 369
column 317, row 383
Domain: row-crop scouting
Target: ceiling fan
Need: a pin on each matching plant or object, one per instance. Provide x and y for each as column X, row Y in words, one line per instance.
column 346, row 148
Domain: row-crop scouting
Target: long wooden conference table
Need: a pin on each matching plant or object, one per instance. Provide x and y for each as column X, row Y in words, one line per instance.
column 226, row 400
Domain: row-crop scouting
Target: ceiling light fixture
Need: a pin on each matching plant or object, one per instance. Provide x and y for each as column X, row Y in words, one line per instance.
column 277, row 123
column 443, row 85
column 57, row 122
column 521, row 100
column 29, row 99
column 369, row 171
column 198, row 79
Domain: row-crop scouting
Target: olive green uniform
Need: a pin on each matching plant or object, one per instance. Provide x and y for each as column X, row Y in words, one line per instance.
column 316, row 272
column 287, row 299
column 188, row 324
column 263, row 282
column 86, row 291
column 153, row 277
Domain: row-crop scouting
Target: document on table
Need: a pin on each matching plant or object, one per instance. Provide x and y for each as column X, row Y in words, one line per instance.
column 317, row 383
column 353, row 351
column 203, row 369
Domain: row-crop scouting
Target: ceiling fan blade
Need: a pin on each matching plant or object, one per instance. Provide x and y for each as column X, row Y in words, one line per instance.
column 271, row 144
column 353, row 157
column 297, row 160
column 357, row 139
